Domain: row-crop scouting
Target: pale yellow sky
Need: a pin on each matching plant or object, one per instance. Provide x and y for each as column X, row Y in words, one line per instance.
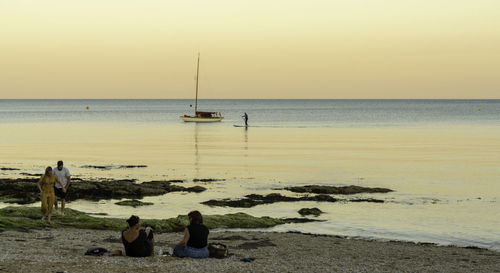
column 250, row 49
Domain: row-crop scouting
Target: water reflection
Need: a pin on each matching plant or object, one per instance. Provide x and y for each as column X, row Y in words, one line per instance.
column 246, row 141
column 245, row 153
column 196, row 151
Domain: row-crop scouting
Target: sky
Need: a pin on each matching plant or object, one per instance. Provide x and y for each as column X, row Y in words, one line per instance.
column 290, row 49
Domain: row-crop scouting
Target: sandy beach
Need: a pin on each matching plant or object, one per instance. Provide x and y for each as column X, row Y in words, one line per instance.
column 62, row 250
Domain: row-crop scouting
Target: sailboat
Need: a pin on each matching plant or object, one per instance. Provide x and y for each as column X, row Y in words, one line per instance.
column 198, row 115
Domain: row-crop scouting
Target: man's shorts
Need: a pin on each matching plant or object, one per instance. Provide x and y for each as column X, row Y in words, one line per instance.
column 59, row 192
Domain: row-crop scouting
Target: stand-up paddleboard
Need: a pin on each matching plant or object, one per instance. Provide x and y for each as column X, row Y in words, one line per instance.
column 240, row 125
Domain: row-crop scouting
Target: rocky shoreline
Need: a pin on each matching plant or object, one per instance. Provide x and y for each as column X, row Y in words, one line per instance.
column 25, row 190
column 253, row 200
column 336, row 190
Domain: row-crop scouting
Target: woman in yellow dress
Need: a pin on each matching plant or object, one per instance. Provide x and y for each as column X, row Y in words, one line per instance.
column 46, row 187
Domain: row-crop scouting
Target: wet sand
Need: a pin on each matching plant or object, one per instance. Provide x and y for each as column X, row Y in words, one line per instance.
column 62, row 250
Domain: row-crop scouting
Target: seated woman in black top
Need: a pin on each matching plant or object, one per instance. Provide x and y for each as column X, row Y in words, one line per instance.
column 138, row 241
column 194, row 244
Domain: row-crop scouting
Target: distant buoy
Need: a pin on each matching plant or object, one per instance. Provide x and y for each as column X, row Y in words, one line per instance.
column 87, row 108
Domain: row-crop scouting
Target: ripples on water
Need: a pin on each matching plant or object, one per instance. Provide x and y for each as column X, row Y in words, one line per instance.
column 278, row 113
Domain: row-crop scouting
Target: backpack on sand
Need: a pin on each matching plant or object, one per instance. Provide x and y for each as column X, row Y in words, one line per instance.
column 217, row 250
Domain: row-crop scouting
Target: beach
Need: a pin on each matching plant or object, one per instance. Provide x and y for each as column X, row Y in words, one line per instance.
column 62, row 250
column 325, row 136
column 437, row 158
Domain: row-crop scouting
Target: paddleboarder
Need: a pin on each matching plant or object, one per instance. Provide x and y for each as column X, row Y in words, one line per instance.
column 245, row 117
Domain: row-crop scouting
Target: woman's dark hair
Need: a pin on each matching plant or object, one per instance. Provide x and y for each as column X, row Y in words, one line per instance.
column 133, row 220
column 47, row 170
column 195, row 217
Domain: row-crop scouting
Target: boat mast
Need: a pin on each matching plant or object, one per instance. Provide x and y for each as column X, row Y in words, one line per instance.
column 197, row 75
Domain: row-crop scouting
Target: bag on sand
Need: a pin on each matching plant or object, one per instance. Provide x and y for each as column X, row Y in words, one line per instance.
column 99, row 251
column 217, row 250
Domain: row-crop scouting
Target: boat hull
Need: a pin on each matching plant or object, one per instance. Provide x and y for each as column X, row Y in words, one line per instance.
column 201, row 119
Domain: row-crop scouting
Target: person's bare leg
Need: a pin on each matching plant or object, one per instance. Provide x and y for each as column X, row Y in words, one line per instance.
column 48, row 217
column 63, row 204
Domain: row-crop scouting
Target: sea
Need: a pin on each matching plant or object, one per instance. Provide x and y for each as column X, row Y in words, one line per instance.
column 441, row 158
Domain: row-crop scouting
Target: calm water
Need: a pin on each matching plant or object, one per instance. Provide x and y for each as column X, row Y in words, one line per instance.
column 440, row 156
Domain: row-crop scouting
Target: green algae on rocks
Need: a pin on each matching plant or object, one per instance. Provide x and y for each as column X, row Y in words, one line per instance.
column 26, row 218
column 310, row 211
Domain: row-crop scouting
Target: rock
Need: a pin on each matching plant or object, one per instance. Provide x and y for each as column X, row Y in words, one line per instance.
column 174, row 181
column 336, row 190
column 133, row 203
column 252, row 200
column 125, row 189
column 310, row 211
column 109, row 167
column 25, row 191
column 371, row 200
column 32, row 174
column 239, row 203
column 21, row 191
column 208, row 180
column 9, row 169
column 301, row 220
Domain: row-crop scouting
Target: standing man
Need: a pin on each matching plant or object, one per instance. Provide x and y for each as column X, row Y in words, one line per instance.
column 65, row 177
column 245, row 117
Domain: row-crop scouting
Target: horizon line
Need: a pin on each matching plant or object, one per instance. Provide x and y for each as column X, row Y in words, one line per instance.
column 250, row 99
